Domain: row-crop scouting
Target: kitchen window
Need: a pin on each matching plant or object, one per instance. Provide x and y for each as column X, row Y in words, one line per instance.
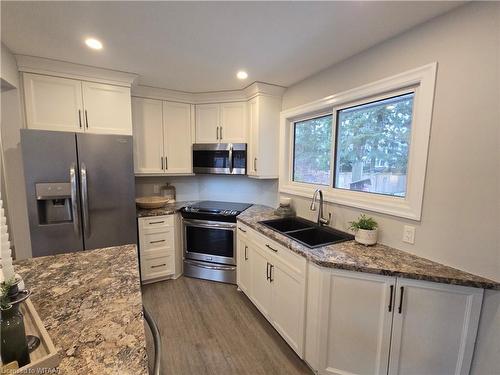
column 372, row 146
column 365, row 148
column 312, row 150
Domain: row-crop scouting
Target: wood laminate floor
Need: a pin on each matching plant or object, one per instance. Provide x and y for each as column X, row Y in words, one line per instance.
column 211, row 328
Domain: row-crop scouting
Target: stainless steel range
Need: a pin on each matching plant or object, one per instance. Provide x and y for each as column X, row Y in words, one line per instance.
column 209, row 231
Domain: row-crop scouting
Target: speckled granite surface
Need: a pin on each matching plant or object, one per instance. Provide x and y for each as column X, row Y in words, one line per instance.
column 378, row 259
column 90, row 303
column 168, row 209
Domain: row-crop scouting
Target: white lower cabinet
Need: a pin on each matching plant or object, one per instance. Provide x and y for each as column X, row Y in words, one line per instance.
column 158, row 248
column 244, row 271
column 274, row 278
column 361, row 323
column 434, row 328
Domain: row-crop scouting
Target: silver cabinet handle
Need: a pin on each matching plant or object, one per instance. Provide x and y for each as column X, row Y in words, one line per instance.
column 221, row 133
column 156, row 222
column 74, row 200
column 86, row 119
column 166, row 163
column 269, row 247
column 255, row 164
column 159, row 265
column 85, row 200
column 80, row 118
column 217, row 133
column 271, row 268
column 161, row 158
column 243, row 230
column 246, row 255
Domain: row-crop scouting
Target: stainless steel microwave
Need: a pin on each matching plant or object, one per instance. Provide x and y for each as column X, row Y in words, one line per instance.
column 220, row 158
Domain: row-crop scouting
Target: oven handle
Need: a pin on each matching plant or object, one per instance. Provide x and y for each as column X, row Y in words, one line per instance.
column 217, row 268
column 209, row 224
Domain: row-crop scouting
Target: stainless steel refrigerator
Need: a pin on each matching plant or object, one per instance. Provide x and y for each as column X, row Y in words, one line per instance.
column 80, row 190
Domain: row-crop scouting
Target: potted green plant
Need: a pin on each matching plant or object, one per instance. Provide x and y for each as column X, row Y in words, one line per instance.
column 366, row 229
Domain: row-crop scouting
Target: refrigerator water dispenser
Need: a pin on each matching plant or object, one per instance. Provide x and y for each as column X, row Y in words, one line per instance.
column 54, row 203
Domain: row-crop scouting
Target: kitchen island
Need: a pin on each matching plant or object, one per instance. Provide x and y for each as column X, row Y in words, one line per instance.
column 90, row 303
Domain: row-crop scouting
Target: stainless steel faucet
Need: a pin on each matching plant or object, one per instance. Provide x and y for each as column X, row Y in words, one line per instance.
column 321, row 220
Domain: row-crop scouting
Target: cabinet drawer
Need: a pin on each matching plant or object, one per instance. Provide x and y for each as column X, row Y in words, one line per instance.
column 284, row 255
column 157, row 267
column 156, row 252
column 156, row 222
column 157, row 239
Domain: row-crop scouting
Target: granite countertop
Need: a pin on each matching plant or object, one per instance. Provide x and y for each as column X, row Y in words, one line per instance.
column 168, row 209
column 91, row 305
column 377, row 259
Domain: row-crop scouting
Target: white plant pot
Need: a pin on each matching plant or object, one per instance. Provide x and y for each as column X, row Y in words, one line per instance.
column 366, row 237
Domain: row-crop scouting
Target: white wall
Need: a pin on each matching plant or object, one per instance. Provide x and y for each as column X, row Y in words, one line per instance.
column 461, row 209
column 11, row 122
column 222, row 188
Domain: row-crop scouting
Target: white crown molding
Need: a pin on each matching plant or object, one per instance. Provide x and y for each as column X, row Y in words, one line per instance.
column 40, row 65
column 256, row 88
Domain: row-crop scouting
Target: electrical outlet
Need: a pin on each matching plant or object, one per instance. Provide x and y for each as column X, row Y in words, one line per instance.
column 409, row 234
column 156, row 188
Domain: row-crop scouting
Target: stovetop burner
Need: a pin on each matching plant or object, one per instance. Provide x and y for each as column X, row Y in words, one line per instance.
column 214, row 210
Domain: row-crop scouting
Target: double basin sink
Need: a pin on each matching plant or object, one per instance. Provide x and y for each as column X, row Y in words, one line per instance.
column 306, row 232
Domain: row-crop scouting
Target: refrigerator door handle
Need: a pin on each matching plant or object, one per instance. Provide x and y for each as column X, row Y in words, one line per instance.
column 74, row 200
column 85, row 200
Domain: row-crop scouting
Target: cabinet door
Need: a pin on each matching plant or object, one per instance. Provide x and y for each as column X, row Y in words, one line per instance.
column 434, row 331
column 253, row 137
column 178, row 141
column 243, row 271
column 107, row 108
column 148, row 135
column 53, row 103
column 207, row 123
column 288, row 305
column 233, row 123
column 355, row 335
column 261, row 287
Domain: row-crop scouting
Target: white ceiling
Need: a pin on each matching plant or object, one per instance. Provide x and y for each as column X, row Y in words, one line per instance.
column 199, row 46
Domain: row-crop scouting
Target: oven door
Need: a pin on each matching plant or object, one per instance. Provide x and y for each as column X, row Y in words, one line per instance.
column 209, row 241
column 220, row 158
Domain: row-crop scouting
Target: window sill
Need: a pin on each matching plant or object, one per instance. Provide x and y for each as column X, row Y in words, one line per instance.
column 394, row 206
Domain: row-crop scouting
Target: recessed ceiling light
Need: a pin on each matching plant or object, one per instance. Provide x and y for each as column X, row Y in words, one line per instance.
column 93, row 43
column 242, row 75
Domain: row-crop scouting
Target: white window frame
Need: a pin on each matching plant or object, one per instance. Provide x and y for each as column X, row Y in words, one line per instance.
column 421, row 81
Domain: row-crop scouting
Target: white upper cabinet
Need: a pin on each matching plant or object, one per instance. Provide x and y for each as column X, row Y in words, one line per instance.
column 233, row 123
column 162, row 137
column 147, row 120
column 177, row 137
column 434, row 328
column 53, row 103
column 221, row 123
column 263, row 136
column 207, row 123
column 107, row 108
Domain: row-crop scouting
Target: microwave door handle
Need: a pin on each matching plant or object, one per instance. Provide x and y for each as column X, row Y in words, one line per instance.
column 231, row 158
